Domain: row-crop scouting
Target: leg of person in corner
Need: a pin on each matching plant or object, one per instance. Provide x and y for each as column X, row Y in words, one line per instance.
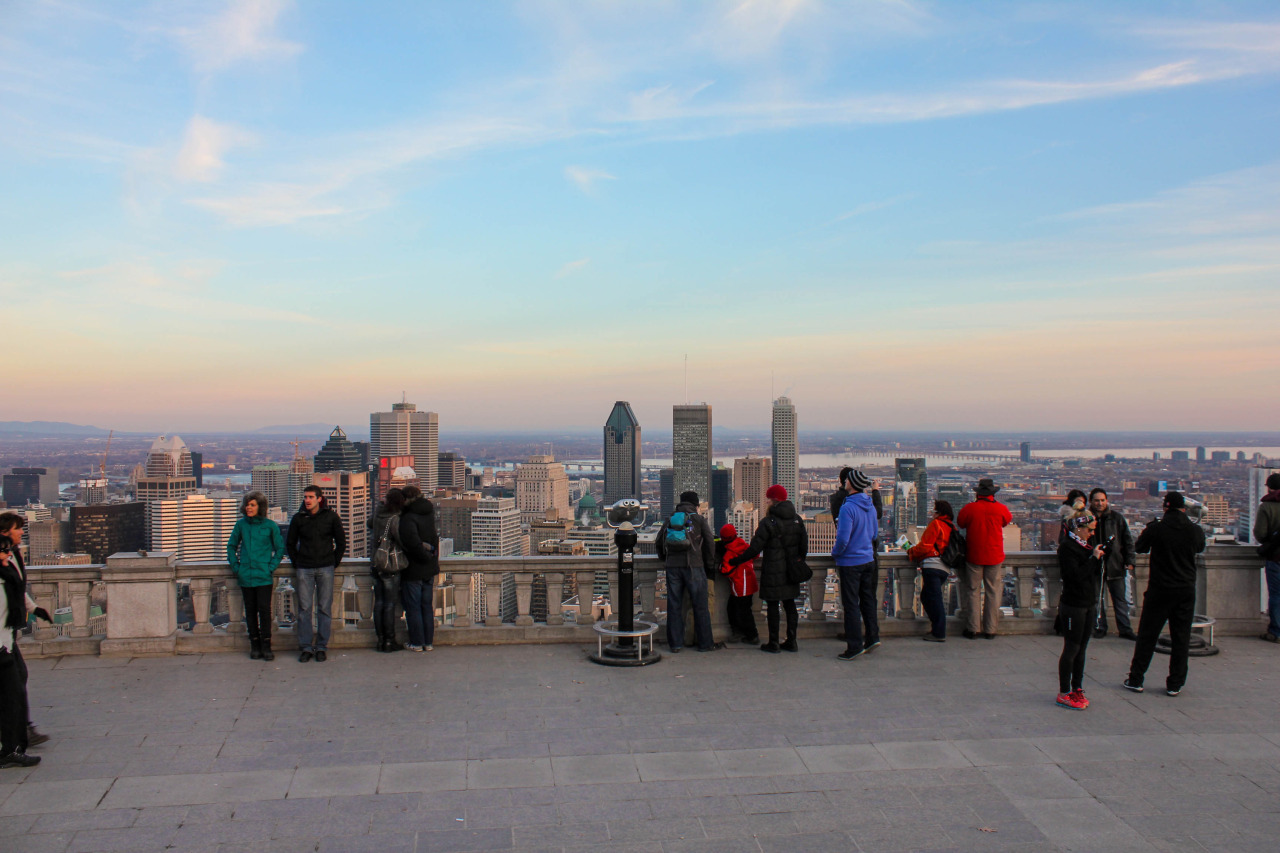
column 849, row 603
column 869, row 604
column 411, row 595
column 428, row 604
column 993, row 589
column 677, row 580
column 306, row 590
column 1182, row 608
column 973, row 601
column 931, row 600
column 1273, row 598
column 774, row 619
column 13, row 707
column 701, row 610
column 1077, row 627
column 1077, row 666
column 264, row 619
column 1119, row 589
column 1155, row 612
column 791, row 644
column 324, row 608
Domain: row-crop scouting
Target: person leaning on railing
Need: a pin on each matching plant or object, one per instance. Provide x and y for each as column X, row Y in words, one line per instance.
column 933, row 573
column 254, row 551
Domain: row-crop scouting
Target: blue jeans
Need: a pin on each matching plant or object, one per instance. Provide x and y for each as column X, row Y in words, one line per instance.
column 931, row 600
column 1273, row 597
column 681, row 580
column 315, row 592
column 419, row 611
column 858, row 599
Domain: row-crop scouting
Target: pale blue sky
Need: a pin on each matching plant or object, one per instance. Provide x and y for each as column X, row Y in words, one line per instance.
column 915, row 215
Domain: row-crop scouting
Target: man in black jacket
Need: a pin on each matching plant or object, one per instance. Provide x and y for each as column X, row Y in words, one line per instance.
column 686, row 560
column 1113, row 528
column 316, row 545
column 1173, row 542
column 417, row 582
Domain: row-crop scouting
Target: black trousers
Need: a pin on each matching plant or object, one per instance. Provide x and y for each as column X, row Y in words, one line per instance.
column 257, row 611
column 742, row 619
column 13, row 703
column 858, row 585
column 1178, row 608
column 1077, row 627
column 793, row 618
column 386, row 596
column 22, row 669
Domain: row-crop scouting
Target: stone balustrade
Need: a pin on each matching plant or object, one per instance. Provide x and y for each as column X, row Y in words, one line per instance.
column 140, row 595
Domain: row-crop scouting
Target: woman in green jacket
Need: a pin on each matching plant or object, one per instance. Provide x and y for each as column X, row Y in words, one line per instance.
column 254, row 552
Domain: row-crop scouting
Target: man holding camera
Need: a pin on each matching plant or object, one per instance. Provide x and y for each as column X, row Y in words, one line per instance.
column 1120, row 557
column 1173, row 542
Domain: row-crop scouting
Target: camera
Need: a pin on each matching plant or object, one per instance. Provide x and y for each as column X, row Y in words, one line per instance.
column 6, row 547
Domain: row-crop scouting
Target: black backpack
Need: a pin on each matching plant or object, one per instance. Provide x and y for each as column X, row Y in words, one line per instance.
column 953, row 556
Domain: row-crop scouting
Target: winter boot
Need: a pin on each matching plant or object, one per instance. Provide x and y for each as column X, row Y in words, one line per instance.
column 255, row 650
column 267, row 654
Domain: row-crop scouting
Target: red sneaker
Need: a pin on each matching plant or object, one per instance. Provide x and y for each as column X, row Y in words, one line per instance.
column 1078, row 695
column 1068, row 700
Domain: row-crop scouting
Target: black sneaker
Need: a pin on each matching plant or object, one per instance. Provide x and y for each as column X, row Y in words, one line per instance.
column 771, row 648
column 304, row 657
column 987, row 636
column 1136, row 688
column 871, row 647
column 969, row 635
column 321, row 657
column 18, row 758
column 850, row 655
column 790, row 646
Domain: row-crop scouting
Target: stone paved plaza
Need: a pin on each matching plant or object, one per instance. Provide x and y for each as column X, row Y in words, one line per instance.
column 954, row 747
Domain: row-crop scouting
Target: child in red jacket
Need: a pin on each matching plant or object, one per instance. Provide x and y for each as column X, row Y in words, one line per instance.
column 742, row 579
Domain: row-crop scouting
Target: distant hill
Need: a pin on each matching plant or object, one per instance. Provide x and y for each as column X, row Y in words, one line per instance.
column 47, row 428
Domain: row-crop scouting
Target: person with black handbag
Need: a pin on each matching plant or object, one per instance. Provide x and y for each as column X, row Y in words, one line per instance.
column 388, row 562
column 782, row 538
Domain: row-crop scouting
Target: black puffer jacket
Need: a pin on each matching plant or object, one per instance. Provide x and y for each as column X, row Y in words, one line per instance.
column 1120, row 553
column 420, row 540
column 1173, row 542
column 316, row 541
column 782, row 538
column 1081, row 573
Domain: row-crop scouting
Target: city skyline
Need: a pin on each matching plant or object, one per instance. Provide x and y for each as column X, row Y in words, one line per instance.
column 201, row 197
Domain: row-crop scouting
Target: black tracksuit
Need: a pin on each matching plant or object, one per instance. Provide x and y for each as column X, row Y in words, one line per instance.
column 1077, row 610
column 1173, row 542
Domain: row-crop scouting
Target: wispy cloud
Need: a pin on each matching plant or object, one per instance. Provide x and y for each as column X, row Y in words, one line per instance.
column 571, row 268
column 243, row 31
column 585, row 177
column 203, row 147
column 872, row 206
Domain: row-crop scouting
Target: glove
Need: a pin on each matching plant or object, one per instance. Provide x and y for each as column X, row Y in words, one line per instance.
column 41, row 613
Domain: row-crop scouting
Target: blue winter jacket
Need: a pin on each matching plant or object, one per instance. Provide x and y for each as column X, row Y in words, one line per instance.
column 855, row 530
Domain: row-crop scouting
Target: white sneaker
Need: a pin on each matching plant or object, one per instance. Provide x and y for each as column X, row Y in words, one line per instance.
column 428, row 648
column 411, row 647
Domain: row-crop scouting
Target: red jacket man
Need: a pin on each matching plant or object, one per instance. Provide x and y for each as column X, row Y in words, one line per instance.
column 984, row 521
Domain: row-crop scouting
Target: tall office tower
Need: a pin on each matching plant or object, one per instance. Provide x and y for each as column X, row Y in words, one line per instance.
column 744, row 517
column 1200, row 457
column 451, row 471
column 495, row 529
column 786, row 448
column 197, row 468
column 954, row 492
column 1220, row 456
column 542, row 485
column 93, row 490
column 667, row 492
column 1180, row 455
column 822, row 535
column 273, row 480
column 621, row 454
column 393, row 472
column 721, row 496
column 904, row 506
column 167, row 475
column 24, row 486
column 406, row 430
column 362, row 448
column 1216, row 510
column 195, row 527
column 913, row 471
column 691, row 445
column 1024, row 451
column 105, row 529
column 453, row 519
column 548, row 528
column 50, row 536
column 1257, row 488
column 1240, row 456
column 338, row 454
column 348, row 494
column 752, row 477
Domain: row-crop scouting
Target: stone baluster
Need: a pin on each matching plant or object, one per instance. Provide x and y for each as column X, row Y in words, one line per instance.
column 201, row 595
column 80, row 593
column 586, row 593
column 906, row 578
column 817, row 596
column 555, row 597
column 235, row 609
column 46, row 596
column 343, row 583
column 1025, row 584
column 462, row 617
column 364, row 600
column 613, row 591
column 493, row 598
column 646, row 582
column 524, row 599
column 1052, row 588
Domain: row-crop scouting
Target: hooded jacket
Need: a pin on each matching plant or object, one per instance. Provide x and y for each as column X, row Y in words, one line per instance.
column 742, row 577
column 702, row 555
column 782, row 538
column 255, row 550
column 983, row 522
column 856, row 531
column 420, row 540
column 1268, row 522
column 1081, row 573
column 316, row 541
column 1112, row 526
column 1173, row 542
column 932, row 543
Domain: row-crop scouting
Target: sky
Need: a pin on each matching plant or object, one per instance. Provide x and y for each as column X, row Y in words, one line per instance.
column 903, row 215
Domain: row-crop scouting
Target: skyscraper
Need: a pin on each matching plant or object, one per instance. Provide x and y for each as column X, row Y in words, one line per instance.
column 621, row 454
column 495, row 529
column 667, row 492
column 1024, row 451
column 166, row 475
column 542, row 485
column 195, row 527
column 405, row 430
column 721, row 496
column 106, row 529
column 347, row 493
column 31, row 485
column 954, row 492
column 691, row 446
column 786, row 460
column 913, row 471
column 452, row 472
column 1249, row 513
column 752, row 477
column 338, row 454
column 453, row 517
column 1200, row 454
column 197, row 468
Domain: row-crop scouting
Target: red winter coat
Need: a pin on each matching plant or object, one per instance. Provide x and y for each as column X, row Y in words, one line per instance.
column 741, row 578
column 983, row 522
column 933, row 542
